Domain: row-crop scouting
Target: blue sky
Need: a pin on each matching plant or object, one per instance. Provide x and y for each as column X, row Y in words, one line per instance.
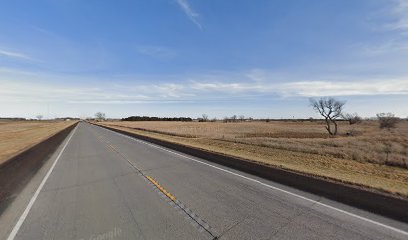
column 260, row 58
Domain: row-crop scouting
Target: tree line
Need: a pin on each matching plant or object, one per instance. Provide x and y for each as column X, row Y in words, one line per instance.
column 146, row 118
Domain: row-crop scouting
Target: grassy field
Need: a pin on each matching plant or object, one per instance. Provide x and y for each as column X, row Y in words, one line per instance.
column 371, row 157
column 16, row 136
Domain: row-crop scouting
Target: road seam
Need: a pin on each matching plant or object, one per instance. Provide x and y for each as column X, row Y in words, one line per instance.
column 37, row 192
column 197, row 222
column 268, row 186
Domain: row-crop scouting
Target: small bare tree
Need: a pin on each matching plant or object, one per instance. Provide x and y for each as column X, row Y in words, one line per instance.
column 241, row 118
column 329, row 108
column 352, row 118
column 100, row 116
column 387, row 120
column 204, row 118
column 39, row 117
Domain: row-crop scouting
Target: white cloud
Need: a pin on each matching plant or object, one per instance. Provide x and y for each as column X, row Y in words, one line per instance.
column 16, row 55
column 310, row 88
column 156, row 51
column 48, row 88
column 350, row 88
column 185, row 6
column 27, row 94
column 400, row 12
column 393, row 46
column 33, row 91
column 394, row 38
column 237, row 87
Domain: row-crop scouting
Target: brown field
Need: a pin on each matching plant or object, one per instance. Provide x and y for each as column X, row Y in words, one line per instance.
column 371, row 157
column 16, row 136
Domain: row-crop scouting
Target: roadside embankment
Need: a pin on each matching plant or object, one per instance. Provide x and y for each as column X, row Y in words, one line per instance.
column 16, row 172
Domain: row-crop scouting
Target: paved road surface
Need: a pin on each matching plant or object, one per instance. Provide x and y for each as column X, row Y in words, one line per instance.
column 108, row 186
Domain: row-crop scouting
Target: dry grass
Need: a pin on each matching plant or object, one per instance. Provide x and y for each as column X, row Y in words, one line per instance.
column 302, row 146
column 16, row 136
column 369, row 143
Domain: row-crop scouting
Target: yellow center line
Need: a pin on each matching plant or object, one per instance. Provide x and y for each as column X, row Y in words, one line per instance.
column 161, row 188
column 164, row 191
column 110, row 147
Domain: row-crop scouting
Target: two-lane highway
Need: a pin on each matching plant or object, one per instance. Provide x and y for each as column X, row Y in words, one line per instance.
column 104, row 185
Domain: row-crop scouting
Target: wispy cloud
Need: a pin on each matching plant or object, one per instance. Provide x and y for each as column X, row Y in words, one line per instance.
column 23, row 91
column 16, row 55
column 185, row 6
column 235, row 87
column 200, row 88
column 392, row 46
column 350, row 88
column 310, row 88
column 156, row 51
column 400, row 12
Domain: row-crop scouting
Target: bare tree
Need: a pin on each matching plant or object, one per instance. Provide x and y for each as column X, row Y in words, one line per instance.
column 387, row 120
column 100, row 116
column 234, row 118
column 329, row 108
column 204, row 118
column 241, row 118
column 352, row 118
column 39, row 117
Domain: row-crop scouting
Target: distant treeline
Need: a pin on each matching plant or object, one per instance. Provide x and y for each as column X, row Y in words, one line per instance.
column 12, row 119
column 67, row 118
column 146, row 118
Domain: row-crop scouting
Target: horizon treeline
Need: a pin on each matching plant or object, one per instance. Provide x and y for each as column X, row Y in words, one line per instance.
column 147, row 118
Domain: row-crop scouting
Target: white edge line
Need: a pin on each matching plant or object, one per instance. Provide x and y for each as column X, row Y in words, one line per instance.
column 37, row 192
column 270, row 186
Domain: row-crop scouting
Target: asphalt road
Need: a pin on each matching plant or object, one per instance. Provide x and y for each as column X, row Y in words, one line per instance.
column 104, row 185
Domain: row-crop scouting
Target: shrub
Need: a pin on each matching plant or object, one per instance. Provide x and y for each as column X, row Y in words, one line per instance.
column 387, row 120
column 352, row 118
